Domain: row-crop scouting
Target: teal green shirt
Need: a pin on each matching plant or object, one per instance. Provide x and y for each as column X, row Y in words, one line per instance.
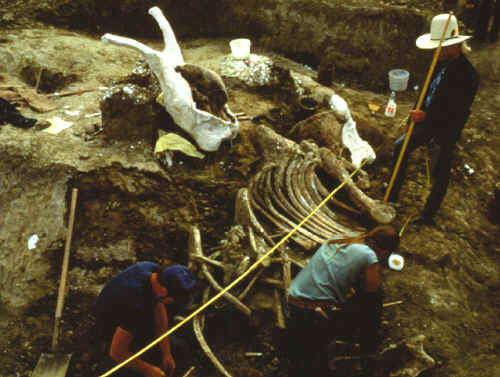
column 332, row 272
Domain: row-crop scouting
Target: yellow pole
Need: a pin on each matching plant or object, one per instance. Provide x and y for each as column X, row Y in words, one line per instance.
column 419, row 103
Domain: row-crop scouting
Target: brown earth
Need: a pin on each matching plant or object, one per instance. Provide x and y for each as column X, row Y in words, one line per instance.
column 130, row 208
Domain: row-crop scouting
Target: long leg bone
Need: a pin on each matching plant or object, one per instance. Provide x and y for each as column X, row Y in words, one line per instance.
column 315, row 188
column 420, row 360
column 380, row 212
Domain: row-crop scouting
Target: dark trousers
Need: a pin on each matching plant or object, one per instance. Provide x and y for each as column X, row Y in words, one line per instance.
column 308, row 337
column 441, row 171
column 488, row 9
column 309, row 334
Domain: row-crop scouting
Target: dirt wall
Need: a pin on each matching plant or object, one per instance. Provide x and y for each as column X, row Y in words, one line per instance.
column 357, row 41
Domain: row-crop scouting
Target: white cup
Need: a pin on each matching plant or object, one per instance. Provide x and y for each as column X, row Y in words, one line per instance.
column 240, row 48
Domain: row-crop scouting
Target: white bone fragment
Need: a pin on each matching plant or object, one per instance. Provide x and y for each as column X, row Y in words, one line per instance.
column 208, row 130
column 420, row 362
column 359, row 148
column 33, row 241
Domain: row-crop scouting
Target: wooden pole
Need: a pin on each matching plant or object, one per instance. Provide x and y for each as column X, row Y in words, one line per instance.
column 64, row 271
column 419, row 103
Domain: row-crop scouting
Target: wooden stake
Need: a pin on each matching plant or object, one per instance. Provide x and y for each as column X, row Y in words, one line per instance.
column 71, row 93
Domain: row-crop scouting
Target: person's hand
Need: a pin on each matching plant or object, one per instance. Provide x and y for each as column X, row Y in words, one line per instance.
column 417, row 116
column 168, row 365
column 153, row 371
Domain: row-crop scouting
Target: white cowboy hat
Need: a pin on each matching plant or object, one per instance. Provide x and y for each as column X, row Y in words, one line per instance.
column 431, row 40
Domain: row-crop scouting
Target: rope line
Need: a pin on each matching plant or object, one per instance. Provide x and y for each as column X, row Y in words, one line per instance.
column 236, row 281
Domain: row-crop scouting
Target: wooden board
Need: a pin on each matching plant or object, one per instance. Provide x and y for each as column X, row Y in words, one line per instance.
column 52, row 365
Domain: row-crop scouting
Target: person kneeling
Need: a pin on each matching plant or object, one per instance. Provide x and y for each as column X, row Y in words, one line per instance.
column 131, row 312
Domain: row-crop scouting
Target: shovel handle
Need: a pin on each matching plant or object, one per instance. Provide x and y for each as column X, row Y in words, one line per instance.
column 64, row 271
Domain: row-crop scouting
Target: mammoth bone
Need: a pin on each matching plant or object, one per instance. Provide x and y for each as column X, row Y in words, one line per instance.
column 235, row 265
column 279, row 196
column 287, row 189
column 411, row 351
column 209, row 125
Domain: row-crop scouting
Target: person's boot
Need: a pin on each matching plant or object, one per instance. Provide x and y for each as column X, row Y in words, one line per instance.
column 425, row 219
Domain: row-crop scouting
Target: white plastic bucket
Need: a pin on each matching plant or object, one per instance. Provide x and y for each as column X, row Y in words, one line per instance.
column 240, row 48
column 398, row 79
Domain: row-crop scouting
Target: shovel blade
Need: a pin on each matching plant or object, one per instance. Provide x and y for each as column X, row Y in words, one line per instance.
column 52, row 365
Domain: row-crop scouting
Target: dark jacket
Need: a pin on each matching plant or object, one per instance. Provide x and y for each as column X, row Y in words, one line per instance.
column 450, row 106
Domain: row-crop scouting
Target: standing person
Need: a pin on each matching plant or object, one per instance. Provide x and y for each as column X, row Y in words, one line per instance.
column 444, row 111
column 488, row 9
column 338, row 268
column 131, row 313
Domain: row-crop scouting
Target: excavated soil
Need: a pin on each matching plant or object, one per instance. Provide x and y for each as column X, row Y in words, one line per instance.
column 131, row 208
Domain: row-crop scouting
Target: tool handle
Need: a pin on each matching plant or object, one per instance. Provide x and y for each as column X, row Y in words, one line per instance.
column 419, row 103
column 64, row 271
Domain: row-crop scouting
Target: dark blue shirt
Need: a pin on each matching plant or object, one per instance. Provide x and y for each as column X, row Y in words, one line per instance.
column 127, row 301
column 451, row 95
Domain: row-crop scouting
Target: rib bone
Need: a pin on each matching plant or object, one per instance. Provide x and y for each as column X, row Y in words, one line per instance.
column 297, row 190
column 197, row 328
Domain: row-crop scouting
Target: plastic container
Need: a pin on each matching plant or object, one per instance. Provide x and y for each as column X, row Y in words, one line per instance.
column 240, row 48
column 398, row 79
column 390, row 109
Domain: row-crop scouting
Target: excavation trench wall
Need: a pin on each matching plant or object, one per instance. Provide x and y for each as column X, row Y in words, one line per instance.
column 127, row 211
column 359, row 44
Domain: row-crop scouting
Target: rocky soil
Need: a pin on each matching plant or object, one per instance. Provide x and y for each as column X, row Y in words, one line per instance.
column 132, row 208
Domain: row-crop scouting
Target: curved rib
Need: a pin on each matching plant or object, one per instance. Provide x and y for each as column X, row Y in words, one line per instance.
column 272, row 182
column 290, row 223
column 309, row 179
column 197, row 328
column 308, row 176
column 259, row 204
column 295, row 189
column 292, row 206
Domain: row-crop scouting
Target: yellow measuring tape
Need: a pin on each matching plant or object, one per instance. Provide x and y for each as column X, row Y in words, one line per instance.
column 250, row 269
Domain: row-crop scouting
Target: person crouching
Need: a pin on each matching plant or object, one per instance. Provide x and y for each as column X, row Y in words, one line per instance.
column 337, row 269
